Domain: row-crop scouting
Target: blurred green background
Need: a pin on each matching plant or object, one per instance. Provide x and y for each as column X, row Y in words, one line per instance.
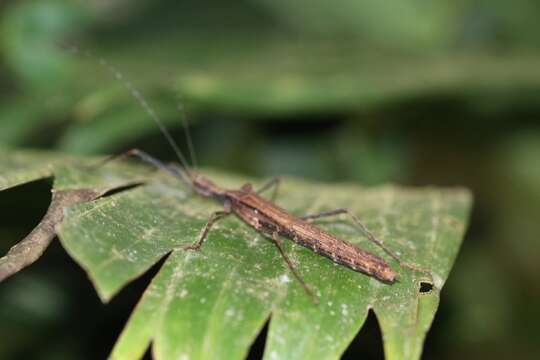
column 411, row 92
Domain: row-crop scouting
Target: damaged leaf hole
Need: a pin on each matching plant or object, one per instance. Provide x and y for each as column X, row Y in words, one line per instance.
column 425, row 287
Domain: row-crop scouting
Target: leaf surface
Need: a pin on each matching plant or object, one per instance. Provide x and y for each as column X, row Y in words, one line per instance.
column 214, row 302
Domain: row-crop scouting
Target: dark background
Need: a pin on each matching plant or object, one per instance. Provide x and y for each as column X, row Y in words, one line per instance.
column 410, row 92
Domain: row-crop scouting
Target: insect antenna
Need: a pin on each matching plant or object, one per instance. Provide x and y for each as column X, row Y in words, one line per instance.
column 189, row 140
column 186, row 172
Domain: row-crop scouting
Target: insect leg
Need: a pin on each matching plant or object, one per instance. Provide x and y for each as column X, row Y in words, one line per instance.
column 324, row 214
column 279, row 244
column 273, row 183
column 144, row 157
column 359, row 225
column 204, row 234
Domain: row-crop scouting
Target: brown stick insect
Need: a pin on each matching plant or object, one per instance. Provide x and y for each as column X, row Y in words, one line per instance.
column 263, row 215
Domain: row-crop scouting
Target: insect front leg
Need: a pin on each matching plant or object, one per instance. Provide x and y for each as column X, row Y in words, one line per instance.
column 215, row 217
column 146, row 158
column 279, row 244
column 273, row 183
column 363, row 228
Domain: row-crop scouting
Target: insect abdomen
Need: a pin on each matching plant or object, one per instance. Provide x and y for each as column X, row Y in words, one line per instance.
column 340, row 251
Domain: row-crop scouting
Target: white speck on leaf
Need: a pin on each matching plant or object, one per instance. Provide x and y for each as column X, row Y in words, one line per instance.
column 438, row 281
column 284, row 279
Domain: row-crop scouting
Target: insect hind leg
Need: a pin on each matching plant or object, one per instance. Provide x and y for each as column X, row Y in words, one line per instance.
column 279, row 244
column 363, row 228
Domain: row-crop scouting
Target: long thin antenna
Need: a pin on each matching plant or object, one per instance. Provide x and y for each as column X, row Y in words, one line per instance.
column 184, row 119
column 137, row 95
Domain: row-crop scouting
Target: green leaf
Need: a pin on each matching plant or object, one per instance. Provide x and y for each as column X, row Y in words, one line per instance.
column 214, row 302
column 22, row 167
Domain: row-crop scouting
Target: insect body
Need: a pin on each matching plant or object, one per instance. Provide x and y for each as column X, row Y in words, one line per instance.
column 273, row 221
column 263, row 215
column 270, row 219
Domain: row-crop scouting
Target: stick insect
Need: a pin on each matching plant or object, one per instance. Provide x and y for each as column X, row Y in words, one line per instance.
column 263, row 215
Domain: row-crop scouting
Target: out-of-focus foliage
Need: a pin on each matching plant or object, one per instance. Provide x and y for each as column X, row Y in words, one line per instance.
column 440, row 92
column 256, row 58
